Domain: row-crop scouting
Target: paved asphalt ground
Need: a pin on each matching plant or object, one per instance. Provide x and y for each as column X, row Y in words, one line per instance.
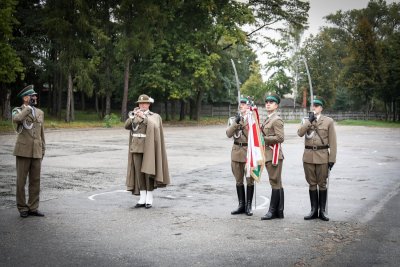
column 90, row 219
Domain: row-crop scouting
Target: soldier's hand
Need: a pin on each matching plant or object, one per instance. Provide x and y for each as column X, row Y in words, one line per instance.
column 311, row 117
column 237, row 118
column 330, row 165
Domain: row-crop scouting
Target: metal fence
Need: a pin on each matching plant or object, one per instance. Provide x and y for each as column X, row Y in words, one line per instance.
column 290, row 114
column 287, row 114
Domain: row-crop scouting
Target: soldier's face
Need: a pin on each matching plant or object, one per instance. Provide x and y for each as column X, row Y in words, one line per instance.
column 271, row 105
column 26, row 99
column 243, row 107
column 317, row 109
column 144, row 106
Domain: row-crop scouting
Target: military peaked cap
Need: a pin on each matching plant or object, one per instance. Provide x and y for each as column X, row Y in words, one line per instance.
column 27, row 91
column 273, row 97
column 319, row 101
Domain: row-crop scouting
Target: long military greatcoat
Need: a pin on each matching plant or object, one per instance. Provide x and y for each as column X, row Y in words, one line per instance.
column 155, row 161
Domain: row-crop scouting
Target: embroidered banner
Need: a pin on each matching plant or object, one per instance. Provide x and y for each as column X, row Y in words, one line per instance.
column 255, row 150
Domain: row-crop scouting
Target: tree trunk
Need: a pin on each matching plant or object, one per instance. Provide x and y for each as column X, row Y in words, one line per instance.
column 394, row 110
column 54, row 98
column 83, row 106
column 96, row 104
column 182, row 112
column 125, row 95
column 6, row 105
column 69, row 93
column 199, row 97
column 49, row 99
column 102, row 107
column 166, row 110
column 191, row 108
column 59, row 95
column 108, row 103
column 72, row 105
column 173, row 109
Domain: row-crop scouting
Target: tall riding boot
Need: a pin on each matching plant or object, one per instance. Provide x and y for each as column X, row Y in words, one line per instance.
column 273, row 206
column 241, row 208
column 249, row 195
column 281, row 205
column 314, row 205
column 322, row 204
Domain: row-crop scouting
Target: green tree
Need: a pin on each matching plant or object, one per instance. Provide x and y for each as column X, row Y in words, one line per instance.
column 10, row 63
column 70, row 29
column 137, row 20
column 254, row 85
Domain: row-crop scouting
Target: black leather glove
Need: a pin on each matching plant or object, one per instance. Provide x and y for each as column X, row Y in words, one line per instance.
column 311, row 117
column 330, row 165
column 237, row 118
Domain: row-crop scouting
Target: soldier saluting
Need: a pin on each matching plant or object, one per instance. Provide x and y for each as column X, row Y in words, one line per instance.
column 239, row 130
column 147, row 157
column 319, row 156
column 29, row 151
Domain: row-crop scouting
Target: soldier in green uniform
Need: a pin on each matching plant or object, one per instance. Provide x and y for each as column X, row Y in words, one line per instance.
column 147, row 158
column 319, row 156
column 272, row 129
column 29, row 151
column 239, row 131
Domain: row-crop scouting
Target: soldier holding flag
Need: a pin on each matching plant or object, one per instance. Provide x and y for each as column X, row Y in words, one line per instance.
column 239, row 130
column 272, row 129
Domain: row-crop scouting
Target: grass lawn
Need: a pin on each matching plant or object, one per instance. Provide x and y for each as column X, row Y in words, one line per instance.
column 89, row 119
column 370, row 123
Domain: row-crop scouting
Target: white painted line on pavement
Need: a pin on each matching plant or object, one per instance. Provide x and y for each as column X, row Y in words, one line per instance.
column 110, row 192
column 375, row 209
column 263, row 205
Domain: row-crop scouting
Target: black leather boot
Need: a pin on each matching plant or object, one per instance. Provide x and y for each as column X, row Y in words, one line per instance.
column 314, row 205
column 249, row 195
column 273, row 206
column 322, row 204
column 241, row 208
column 281, row 205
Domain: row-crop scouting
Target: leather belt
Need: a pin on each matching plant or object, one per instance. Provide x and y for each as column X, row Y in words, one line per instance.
column 317, row 147
column 138, row 135
column 240, row 144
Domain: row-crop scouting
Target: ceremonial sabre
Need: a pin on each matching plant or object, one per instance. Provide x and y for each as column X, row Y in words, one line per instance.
column 309, row 82
column 327, row 195
column 237, row 83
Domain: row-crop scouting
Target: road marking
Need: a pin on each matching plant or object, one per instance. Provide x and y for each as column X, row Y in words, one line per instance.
column 110, row 192
column 375, row 209
column 263, row 205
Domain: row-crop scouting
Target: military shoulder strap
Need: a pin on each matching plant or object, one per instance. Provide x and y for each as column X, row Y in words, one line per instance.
column 316, row 131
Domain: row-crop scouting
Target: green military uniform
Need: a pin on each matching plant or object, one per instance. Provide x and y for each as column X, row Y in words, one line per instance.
column 240, row 131
column 273, row 131
column 29, row 151
column 320, row 151
column 147, row 160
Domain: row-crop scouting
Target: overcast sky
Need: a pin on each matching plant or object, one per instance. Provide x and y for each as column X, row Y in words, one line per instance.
column 322, row 8
column 318, row 10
